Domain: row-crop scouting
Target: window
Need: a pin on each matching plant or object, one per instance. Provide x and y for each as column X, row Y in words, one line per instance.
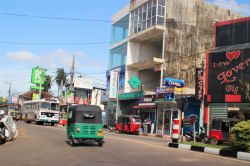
column 45, row 105
column 55, row 106
column 88, row 116
column 118, row 56
column 120, row 30
column 145, row 16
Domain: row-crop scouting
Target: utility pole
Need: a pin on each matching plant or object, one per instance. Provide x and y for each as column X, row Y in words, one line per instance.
column 9, row 91
column 72, row 71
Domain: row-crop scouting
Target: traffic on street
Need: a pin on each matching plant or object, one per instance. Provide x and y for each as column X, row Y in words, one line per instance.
column 47, row 145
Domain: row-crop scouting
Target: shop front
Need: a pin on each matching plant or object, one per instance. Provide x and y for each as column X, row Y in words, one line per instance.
column 147, row 111
column 166, row 112
column 227, row 71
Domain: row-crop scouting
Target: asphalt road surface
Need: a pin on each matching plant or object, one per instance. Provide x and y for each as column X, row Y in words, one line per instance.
column 46, row 145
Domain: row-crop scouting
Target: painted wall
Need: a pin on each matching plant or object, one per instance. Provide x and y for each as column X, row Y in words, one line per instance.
column 149, row 50
column 189, row 35
column 150, row 79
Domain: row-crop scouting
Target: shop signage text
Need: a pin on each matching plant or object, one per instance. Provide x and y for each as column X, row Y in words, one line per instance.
column 133, row 95
column 199, row 83
column 231, row 72
column 174, row 82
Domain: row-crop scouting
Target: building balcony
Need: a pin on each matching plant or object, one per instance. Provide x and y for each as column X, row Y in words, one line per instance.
column 152, row 34
column 146, row 64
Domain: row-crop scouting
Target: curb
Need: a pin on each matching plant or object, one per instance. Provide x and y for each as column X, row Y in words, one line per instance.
column 214, row 151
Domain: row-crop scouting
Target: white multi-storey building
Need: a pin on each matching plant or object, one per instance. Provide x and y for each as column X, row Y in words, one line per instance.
column 152, row 40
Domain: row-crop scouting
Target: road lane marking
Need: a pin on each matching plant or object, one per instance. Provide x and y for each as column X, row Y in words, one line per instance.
column 173, row 149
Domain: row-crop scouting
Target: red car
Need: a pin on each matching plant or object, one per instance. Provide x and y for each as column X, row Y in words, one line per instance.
column 128, row 124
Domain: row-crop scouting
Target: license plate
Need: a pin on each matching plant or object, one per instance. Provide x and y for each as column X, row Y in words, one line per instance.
column 49, row 120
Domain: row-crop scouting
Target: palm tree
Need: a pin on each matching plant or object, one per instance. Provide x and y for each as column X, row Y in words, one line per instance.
column 61, row 78
column 47, row 83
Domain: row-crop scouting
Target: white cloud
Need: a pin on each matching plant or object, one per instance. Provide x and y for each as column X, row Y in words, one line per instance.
column 22, row 56
column 18, row 68
column 233, row 5
column 50, row 60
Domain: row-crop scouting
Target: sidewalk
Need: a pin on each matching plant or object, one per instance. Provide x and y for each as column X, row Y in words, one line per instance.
column 156, row 135
column 214, row 151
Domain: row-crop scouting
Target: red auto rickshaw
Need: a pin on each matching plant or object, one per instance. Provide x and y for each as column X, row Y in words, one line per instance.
column 128, row 124
column 220, row 130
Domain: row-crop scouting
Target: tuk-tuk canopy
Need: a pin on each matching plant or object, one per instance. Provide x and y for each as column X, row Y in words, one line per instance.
column 219, row 123
column 85, row 114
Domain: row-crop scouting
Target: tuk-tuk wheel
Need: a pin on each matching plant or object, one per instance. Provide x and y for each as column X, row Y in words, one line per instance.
column 72, row 142
column 214, row 141
column 100, row 143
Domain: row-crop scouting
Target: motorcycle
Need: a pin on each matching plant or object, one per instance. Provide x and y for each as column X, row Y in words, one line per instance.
column 200, row 137
column 8, row 129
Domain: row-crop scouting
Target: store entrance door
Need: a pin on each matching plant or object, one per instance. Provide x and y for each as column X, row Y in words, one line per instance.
column 166, row 122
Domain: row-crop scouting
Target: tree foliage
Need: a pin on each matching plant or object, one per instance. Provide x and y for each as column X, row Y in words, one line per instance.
column 47, row 83
column 3, row 100
column 61, row 77
column 241, row 136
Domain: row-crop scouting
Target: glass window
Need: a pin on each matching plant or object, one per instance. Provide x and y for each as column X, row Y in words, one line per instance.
column 143, row 15
column 55, row 106
column 120, row 30
column 154, row 2
column 160, row 20
column 45, row 105
column 153, row 11
column 153, row 20
column 161, row 2
column 118, row 56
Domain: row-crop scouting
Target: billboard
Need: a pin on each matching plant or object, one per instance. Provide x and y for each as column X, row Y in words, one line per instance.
column 83, row 83
column 37, row 75
column 228, row 75
column 113, row 84
column 232, row 32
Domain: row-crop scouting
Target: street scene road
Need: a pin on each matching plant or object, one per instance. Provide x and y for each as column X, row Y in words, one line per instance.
column 46, row 145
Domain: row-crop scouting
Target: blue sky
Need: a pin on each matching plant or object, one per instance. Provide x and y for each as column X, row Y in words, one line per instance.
column 16, row 60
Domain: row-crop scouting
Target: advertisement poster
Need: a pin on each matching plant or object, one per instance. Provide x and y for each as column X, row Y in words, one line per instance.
column 228, row 75
column 113, row 84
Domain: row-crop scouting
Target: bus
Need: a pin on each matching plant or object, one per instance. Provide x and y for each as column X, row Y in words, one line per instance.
column 41, row 111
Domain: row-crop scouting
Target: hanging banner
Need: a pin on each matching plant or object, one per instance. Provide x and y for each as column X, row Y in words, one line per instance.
column 199, row 82
column 113, row 84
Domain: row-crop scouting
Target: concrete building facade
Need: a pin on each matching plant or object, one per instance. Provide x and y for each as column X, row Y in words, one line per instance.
column 155, row 39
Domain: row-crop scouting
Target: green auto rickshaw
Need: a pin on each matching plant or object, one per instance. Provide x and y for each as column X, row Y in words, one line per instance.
column 14, row 110
column 84, row 122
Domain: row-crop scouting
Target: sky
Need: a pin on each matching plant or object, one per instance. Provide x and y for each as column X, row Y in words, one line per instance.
column 27, row 41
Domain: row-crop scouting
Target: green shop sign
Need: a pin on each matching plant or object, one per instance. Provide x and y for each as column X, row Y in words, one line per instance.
column 38, row 75
column 134, row 82
column 36, row 88
column 132, row 95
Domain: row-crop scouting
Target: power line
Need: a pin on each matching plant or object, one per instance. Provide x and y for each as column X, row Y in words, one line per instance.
column 86, row 43
column 92, row 20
